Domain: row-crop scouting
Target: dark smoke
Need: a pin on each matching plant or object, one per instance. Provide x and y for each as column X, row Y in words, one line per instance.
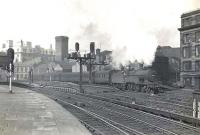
column 91, row 33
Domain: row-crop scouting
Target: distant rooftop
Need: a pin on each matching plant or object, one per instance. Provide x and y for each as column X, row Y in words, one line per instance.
column 196, row 11
column 169, row 51
column 106, row 52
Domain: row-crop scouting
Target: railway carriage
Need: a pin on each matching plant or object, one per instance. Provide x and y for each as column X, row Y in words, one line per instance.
column 133, row 80
column 101, row 77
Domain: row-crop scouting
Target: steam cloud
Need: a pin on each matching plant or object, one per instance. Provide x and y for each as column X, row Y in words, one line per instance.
column 91, row 33
column 132, row 29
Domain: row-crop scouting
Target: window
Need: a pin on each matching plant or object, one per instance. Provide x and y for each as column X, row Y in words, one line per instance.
column 187, row 38
column 141, row 80
column 197, row 36
column 21, row 69
column 187, row 65
column 187, row 81
column 187, row 22
column 173, row 60
column 21, row 76
column 197, row 65
column 198, row 18
column 197, row 50
column 186, row 53
column 25, row 76
column 24, row 50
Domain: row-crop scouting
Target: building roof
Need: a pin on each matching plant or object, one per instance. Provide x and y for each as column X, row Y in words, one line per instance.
column 189, row 27
column 197, row 11
column 106, row 52
column 141, row 72
column 169, row 51
column 66, row 65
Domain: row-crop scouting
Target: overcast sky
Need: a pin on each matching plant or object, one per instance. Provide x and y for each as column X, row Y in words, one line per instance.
column 131, row 28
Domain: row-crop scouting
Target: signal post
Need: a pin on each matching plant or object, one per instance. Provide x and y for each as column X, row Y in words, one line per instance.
column 82, row 60
column 10, row 67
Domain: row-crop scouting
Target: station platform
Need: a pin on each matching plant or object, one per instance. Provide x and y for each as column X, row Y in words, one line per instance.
column 25, row 112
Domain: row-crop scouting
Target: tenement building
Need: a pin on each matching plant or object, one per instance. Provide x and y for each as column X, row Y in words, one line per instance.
column 27, row 56
column 190, row 49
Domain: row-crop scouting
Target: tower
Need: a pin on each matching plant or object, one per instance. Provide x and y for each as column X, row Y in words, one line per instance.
column 61, row 48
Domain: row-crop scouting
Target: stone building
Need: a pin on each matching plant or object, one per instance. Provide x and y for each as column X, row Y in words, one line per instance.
column 24, row 51
column 27, row 56
column 103, row 60
column 190, row 49
column 190, row 55
column 61, row 46
column 136, row 65
column 174, row 59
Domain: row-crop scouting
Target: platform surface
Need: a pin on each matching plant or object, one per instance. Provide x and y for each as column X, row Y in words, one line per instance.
column 26, row 112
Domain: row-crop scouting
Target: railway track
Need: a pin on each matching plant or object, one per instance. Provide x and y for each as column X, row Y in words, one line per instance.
column 154, row 98
column 117, row 119
column 157, row 103
column 96, row 124
column 133, row 119
column 162, row 105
